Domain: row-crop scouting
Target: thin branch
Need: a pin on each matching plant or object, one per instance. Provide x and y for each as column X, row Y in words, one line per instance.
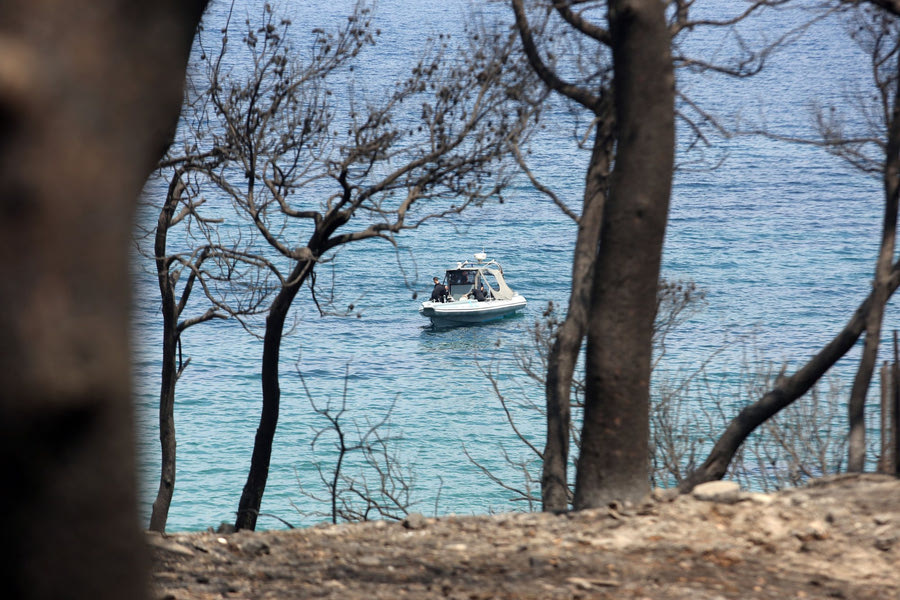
column 547, row 75
column 541, row 187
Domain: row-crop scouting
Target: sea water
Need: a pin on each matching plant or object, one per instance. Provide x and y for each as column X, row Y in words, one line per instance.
column 781, row 237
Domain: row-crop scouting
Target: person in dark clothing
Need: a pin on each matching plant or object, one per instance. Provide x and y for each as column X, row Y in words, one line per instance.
column 479, row 293
column 440, row 292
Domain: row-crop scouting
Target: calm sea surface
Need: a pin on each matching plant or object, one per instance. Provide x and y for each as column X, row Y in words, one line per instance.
column 782, row 238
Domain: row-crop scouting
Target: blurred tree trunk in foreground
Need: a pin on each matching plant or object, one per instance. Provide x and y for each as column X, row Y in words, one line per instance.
column 89, row 96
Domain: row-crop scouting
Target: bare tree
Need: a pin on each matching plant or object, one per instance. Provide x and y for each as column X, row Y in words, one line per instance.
column 297, row 165
column 672, row 435
column 882, row 36
column 77, row 143
column 379, row 486
column 804, row 441
column 594, row 95
column 172, row 268
column 876, row 151
column 625, row 276
column 589, row 85
column 786, row 390
column 200, row 259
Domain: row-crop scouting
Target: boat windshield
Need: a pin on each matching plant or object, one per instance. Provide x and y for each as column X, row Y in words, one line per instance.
column 461, row 276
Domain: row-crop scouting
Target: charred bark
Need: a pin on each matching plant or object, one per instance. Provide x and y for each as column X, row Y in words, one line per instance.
column 251, row 497
column 257, row 477
column 563, row 354
column 613, row 463
column 566, row 347
column 169, row 373
column 856, row 446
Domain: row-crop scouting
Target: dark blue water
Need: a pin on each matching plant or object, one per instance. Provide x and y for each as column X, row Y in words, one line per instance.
column 781, row 237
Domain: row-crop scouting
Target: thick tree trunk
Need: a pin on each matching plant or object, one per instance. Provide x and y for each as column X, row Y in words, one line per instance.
column 613, row 464
column 567, row 344
column 856, row 444
column 251, row 497
column 169, row 373
column 89, row 94
column 716, row 464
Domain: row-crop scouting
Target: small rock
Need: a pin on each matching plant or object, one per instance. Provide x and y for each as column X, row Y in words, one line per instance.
column 225, row 528
column 758, row 498
column 580, row 583
column 254, row 547
column 587, row 584
column 882, row 519
column 726, row 492
column 169, row 546
column 369, row 561
column 886, row 541
column 771, row 527
column 664, row 494
column 814, row 531
column 415, row 521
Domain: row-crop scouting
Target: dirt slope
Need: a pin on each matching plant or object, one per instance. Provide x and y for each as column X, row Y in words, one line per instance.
column 837, row 538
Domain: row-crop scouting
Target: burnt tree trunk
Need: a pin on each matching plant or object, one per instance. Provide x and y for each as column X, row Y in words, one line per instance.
column 895, row 408
column 319, row 243
column 567, row 343
column 856, row 445
column 251, row 497
column 169, row 374
column 885, row 455
column 613, row 464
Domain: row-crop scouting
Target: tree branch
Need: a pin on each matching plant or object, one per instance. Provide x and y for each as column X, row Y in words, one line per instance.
column 547, row 75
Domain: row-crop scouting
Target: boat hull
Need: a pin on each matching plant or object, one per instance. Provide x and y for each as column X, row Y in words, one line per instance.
column 471, row 311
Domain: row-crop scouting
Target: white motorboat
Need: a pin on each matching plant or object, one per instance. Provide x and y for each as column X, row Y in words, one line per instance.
column 472, row 292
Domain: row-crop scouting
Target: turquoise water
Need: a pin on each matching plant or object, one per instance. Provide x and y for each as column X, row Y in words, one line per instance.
column 781, row 237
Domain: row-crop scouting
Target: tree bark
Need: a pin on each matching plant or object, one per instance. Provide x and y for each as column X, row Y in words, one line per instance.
column 613, row 465
column 856, row 445
column 567, row 344
column 895, row 408
column 716, row 464
column 320, row 241
column 251, row 497
column 169, row 373
column 89, row 94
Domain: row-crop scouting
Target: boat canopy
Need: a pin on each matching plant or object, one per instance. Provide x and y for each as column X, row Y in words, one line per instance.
column 468, row 276
column 503, row 293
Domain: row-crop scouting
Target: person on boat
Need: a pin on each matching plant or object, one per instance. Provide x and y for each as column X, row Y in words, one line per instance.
column 440, row 292
column 479, row 293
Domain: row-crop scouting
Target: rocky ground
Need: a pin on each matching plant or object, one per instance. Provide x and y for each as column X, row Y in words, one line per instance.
column 837, row 538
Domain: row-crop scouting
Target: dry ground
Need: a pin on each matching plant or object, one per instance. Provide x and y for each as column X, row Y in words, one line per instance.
column 837, row 538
